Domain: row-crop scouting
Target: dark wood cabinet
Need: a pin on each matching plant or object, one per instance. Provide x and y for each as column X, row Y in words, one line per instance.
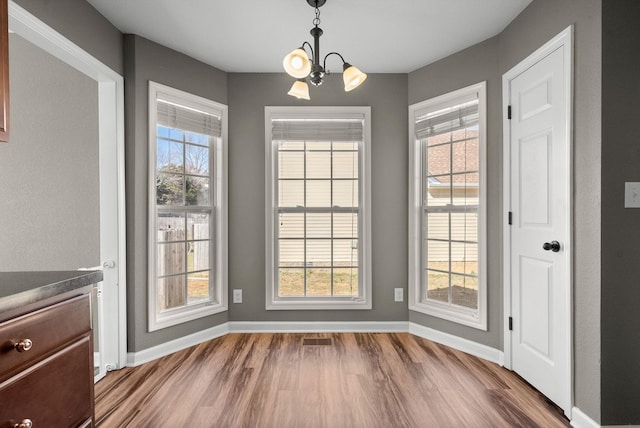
column 4, row 71
column 46, row 367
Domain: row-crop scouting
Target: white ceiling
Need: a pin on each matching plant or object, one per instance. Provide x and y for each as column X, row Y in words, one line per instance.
column 377, row 36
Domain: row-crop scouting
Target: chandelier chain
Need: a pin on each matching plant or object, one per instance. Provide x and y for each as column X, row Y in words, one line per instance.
column 316, row 20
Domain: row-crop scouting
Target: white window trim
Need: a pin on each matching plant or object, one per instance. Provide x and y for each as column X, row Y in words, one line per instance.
column 364, row 213
column 472, row 318
column 219, row 302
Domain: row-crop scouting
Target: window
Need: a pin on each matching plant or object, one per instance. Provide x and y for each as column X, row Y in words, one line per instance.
column 447, row 268
column 187, row 207
column 317, row 208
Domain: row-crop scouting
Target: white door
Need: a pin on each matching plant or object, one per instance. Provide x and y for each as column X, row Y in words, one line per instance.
column 112, row 220
column 111, row 321
column 539, row 179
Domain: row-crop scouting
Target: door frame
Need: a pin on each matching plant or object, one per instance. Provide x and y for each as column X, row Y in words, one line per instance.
column 110, row 87
column 564, row 39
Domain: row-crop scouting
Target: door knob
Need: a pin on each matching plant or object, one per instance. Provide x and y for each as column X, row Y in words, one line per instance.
column 553, row 246
column 109, row 264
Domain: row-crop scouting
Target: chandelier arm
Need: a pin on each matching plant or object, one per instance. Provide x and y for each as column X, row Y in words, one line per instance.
column 310, row 47
column 327, row 56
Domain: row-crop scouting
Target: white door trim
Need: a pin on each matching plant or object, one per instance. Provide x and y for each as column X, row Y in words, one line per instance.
column 564, row 39
column 111, row 152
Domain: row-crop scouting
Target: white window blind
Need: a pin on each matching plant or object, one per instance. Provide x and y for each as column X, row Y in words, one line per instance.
column 448, row 119
column 186, row 118
column 320, row 130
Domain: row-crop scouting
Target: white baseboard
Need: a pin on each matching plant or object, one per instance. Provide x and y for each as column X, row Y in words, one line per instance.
column 464, row 345
column 167, row 348
column 318, row 327
column 579, row 419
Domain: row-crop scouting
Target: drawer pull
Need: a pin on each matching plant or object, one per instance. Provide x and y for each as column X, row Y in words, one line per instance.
column 25, row 423
column 23, row 346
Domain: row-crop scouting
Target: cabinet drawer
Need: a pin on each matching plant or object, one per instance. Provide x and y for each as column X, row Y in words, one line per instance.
column 57, row 392
column 48, row 330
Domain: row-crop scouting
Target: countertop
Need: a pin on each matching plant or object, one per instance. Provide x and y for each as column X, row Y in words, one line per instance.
column 26, row 289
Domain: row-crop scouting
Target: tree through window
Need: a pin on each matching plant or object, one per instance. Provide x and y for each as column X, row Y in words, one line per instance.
column 189, row 187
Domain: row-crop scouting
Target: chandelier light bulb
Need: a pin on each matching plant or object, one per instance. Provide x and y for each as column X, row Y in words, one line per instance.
column 352, row 77
column 297, row 64
column 300, row 90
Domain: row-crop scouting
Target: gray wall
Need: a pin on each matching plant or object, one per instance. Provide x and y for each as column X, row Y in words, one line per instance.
column 475, row 64
column 620, row 226
column 144, row 61
column 489, row 60
column 49, row 188
column 78, row 21
column 387, row 96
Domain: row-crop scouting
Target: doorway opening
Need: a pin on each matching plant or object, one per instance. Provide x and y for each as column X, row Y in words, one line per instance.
column 110, row 297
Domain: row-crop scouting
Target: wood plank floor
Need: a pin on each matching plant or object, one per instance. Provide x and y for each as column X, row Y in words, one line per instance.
column 360, row 380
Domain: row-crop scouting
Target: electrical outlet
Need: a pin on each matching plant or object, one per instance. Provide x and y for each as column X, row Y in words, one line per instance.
column 631, row 195
column 237, row 295
column 398, row 294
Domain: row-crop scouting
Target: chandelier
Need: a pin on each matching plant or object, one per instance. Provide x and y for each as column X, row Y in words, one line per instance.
column 298, row 64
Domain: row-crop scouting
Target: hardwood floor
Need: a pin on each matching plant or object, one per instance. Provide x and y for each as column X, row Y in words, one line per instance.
column 359, row 380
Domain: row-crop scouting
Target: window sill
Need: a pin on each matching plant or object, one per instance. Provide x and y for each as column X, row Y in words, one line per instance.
column 462, row 316
column 321, row 304
column 179, row 316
